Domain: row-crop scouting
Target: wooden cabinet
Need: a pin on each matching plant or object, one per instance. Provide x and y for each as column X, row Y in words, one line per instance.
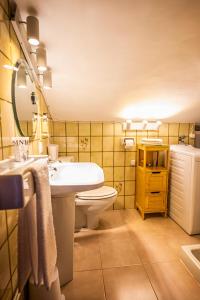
column 152, row 179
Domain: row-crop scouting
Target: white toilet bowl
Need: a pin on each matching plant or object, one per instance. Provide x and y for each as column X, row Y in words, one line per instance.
column 90, row 204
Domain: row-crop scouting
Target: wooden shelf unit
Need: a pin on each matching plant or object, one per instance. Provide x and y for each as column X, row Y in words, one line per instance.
column 152, row 179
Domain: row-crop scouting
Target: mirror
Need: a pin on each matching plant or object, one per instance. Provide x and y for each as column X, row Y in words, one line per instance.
column 25, row 104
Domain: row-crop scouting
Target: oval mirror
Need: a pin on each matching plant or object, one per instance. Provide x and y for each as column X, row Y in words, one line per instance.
column 25, row 104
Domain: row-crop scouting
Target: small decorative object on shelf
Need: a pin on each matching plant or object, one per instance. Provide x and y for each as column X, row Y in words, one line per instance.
column 152, row 179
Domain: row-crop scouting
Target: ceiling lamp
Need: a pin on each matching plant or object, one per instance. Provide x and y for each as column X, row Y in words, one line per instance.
column 47, row 79
column 21, row 77
column 41, row 59
column 32, row 30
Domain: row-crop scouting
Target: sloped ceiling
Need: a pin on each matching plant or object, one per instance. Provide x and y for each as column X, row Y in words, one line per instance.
column 116, row 59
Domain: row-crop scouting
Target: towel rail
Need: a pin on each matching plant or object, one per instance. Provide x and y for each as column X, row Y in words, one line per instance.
column 16, row 190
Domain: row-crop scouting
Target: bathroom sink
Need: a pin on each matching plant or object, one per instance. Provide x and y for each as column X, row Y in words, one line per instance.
column 69, row 177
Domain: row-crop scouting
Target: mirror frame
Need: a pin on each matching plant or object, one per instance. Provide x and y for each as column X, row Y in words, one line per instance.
column 13, row 95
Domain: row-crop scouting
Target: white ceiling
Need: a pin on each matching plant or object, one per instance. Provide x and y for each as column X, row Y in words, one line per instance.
column 115, row 59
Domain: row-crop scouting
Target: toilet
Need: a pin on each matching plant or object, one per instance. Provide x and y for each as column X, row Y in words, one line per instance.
column 90, row 204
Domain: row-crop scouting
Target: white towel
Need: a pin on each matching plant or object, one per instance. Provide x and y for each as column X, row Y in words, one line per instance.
column 37, row 251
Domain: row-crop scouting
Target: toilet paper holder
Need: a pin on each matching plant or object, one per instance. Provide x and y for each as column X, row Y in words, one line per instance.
column 128, row 142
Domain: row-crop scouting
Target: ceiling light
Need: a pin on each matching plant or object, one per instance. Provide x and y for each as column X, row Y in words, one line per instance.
column 32, row 30
column 47, row 79
column 41, row 59
column 21, row 77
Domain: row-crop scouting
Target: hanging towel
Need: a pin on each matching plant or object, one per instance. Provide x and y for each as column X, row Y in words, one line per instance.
column 37, row 253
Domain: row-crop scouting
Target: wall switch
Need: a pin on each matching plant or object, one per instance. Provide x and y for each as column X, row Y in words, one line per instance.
column 132, row 162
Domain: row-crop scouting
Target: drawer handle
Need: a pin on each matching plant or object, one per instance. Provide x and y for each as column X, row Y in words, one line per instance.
column 155, row 192
column 156, row 172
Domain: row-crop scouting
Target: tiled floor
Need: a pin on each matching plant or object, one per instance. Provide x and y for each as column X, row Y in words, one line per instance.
column 131, row 259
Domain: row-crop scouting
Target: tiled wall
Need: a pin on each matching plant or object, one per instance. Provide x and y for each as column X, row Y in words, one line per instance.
column 9, row 53
column 101, row 143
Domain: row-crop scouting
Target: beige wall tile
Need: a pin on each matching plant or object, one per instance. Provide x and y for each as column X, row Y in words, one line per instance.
column 6, row 77
column 96, row 144
column 13, row 249
column 7, row 152
column 108, row 173
column 4, row 270
column 119, row 173
column 164, row 129
column 109, row 183
column 108, row 129
column 7, row 123
column 142, row 133
column 108, row 143
column 72, row 128
column 84, row 129
column 96, row 129
column 84, row 157
column 129, row 201
column 4, row 33
column 15, row 47
column 128, row 157
column 173, row 140
column 61, row 142
column 3, row 230
column 129, row 173
column 74, row 155
column 119, row 203
column 118, row 144
column 84, row 144
column 165, row 139
column 173, row 129
column 97, row 157
column 12, row 219
column 129, row 188
column 119, row 186
column 152, row 134
column 118, row 129
column 107, row 159
column 119, row 159
column 72, row 144
column 184, row 129
column 59, row 129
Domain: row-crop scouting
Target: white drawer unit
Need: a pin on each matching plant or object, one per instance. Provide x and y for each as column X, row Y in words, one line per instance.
column 184, row 187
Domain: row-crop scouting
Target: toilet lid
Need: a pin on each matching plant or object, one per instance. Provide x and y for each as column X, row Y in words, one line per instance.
column 100, row 193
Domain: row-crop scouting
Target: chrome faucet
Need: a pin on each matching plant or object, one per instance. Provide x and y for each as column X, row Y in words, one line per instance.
column 181, row 139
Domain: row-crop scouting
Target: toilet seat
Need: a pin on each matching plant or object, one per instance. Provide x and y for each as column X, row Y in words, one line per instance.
column 103, row 192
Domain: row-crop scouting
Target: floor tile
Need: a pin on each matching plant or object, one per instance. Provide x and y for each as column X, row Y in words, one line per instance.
column 86, row 285
column 153, row 248
column 118, row 253
column 127, row 283
column 171, row 281
column 86, row 253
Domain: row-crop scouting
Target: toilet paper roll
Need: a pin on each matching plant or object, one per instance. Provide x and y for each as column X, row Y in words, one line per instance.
column 128, row 144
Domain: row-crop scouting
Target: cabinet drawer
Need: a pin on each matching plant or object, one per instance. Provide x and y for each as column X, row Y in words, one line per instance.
column 155, row 201
column 156, row 181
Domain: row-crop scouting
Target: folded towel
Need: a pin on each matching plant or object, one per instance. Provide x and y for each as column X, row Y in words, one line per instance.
column 37, row 251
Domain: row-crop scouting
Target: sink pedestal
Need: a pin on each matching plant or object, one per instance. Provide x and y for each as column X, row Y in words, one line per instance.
column 64, row 222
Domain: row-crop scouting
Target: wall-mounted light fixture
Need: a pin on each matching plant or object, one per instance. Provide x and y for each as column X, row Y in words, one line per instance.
column 41, row 57
column 10, row 67
column 47, row 79
column 33, row 30
column 143, row 125
column 33, row 98
column 21, row 77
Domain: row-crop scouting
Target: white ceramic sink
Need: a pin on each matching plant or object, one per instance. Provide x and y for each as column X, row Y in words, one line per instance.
column 69, row 177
